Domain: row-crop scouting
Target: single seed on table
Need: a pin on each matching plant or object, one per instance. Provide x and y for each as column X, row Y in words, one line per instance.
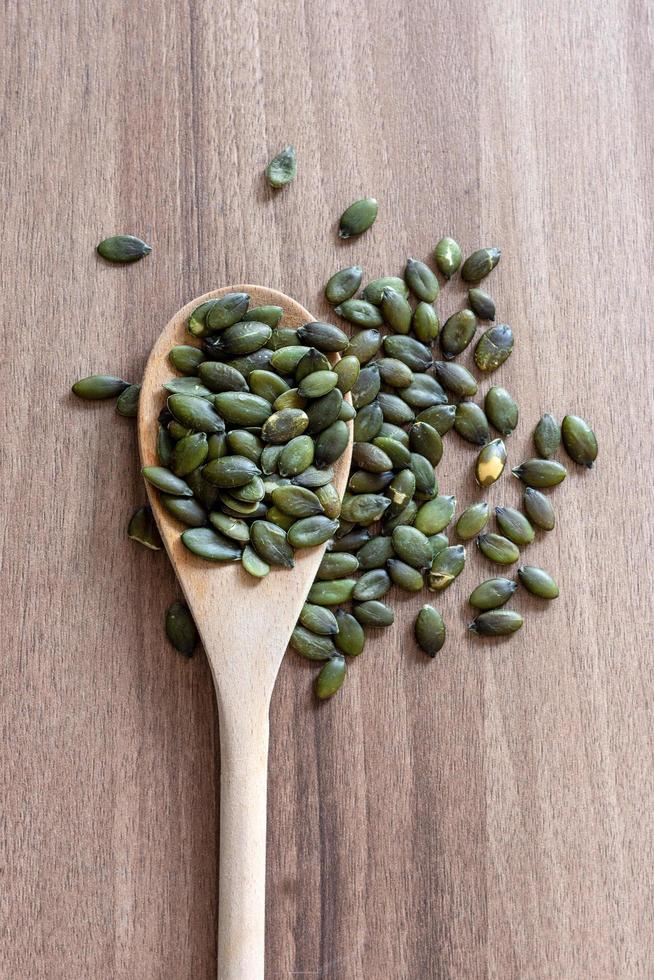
column 143, row 528
column 196, row 413
column 99, row 386
column 497, row 548
column 123, row 248
column 447, row 256
column 494, row 347
column 282, row 169
column 412, row 546
column 547, row 436
column 426, row 440
column 358, row 217
column 343, row 284
column 481, row 303
column 421, row 280
column 405, row 576
column 296, row 456
column 396, row 311
column 397, row 452
column 423, row 392
column 435, row 515
column 231, row 527
column 253, row 564
column 367, row 386
column 501, row 410
column 309, row 532
column 372, row 585
column 496, row 622
column 539, row 582
column 446, row 566
column 180, row 628
column 429, row 630
column 471, row 423
column 185, row 358
column 490, row 463
column 163, row 479
column 514, row 525
column 330, row 678
column 425, row 323
column 579, row 440
column 455, row 378
column 364, row 345
column 221, row 377
column 360, row 312
column 312, row 645
column 472, row 521
column 230, row 472
column 374, row 613
column 540, row 473
column 373, row 291
column 296, row 501
column 415, row 355
column 394, row 372
column 458, row 330
column 538, row 509
column 208, row 544
column 350, row 638
column 271, row 544
column 128, row 402
column 337, row 564
column 477, row 266
column 271, row 315
column 439, row 417
column 185, row 509
column 492, row 593
column 324, row 337
column 331, row 593
column 189, row 453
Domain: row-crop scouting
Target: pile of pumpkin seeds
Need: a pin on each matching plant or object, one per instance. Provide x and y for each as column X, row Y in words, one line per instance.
column 250, row 430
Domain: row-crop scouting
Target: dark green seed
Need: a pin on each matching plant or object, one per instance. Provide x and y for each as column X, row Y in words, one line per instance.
column 251, row 492
column 435, row 515
column 180, row 628
column 375, row 553
column 458, row 330
column 336, row 564
column 318, row 619
column 286, row 359
column 350, row 638
column 322, row 412
column 481, row 303
column 330, row 500
column 373, row 291
column 208, row 544
column 447, row 256
column 195, row 413
column 501, row 410
column 331, row 593
column 347, row 369
column 374, row 613
column 330, row 678
column 439, row 417
column 260, row 359
column 331, row 443
column 412, row 546
column 185, row 509
column 364, row 345
column 539, row 582
column 496, row 622
column 446, row 567
column 363, row 508
column 202, row 490
column 374, row 584
column 415, row 355
column 358, row 217
column 471, row 423
column 490, row 463
column 217, row 446
column 390, row 431
column 178, row 431
column 394, row 409
column 492, row 593
column 423, row 471
column 143, row 528
column 360, row 313
column 189, row 453
column 370, row 457
column 540, row 473
column 394, row 372
column 423, row 392
column 438, row 542
column 269, row 542
column 405, row 576
column 197, row 324
column 406, row 516
column 231, row 527
column 275, row 516
column 314, row 477
column 494, row 347
column 314, row 360
column 242, row 442
column 282, row 169
column 429, row 630
column 230, row 472
column 296, row 501
column 396, row 311
column 309, row 532
column 472, row 521
column 165, row 446
column 547, row 436
column 281, row 336
column 123, row 248
column 477, row 266
column 421, row 280
column 187, row 386
column 163, row 479
column 426, row 440
column 397, row 452
column 296, row 456
column 514, row 525
column 128, row 403
column 401, row 490
column 253, row 564
column 579, row 440
column 425, row 323
column 349, row 538
column 267, row 384
column 455, row 378
column 367, row 386
column 538, row 509
column 242, row 408
column 244, row 338
column 270, row 315
column 323, row 336
column 311, row 645
column 226, row 311
column 362, row 481
column 343, row 284
column 99, row 386
column 498, row 548
column 186, row 359
column 289, row 399
column 284, row 425
column 368, row 422
column 221, row 377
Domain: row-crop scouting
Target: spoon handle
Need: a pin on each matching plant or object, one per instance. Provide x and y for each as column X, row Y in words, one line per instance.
column 242, row 876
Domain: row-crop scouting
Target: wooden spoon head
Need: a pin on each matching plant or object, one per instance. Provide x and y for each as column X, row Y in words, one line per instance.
column 244, row 623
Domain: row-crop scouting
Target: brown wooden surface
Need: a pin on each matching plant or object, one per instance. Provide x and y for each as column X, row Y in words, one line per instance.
column 489, row 814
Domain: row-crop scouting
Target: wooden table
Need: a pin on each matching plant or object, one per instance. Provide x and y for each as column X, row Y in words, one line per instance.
column 486, row 814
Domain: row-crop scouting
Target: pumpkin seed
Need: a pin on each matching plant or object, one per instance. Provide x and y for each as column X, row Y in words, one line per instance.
column 128, row 402
column 539, row 582
column 375, row 553
column 317, row 384
column 372, row 585
column 187, row 386
column 226, row 311
column 394, row 409
column 296, row 456
column 337, row 564
column 426, row 440
column 490, row 463
column 406, row 516
column 253, row 564
column 286, row 359
column 163, row 479
column 540, row 473
column 547, row 436
column 498, row 548
column 243, row 338
column 143, row 528
column 311, row 645
column 165, row 446
column 330, row 499
column 282, row 169
column 314, row 477
column 350, row 638
column 309, row 532
column 177, row 431
column 435, row 515
column 196, row 413
column 538, row 509
column 221, row 377
column 458, row 330
column 99, row 386
column 276, row 516
column 421, row 280
column 284, row 425
column 231, row 527
column 360, row 312
column 579, row 440
column 471, row 423
column 230, row 472
column 242, row 407
column 318, row 619
column 242, row 442
column 180, row 628
column 189, row 453
column 438, row 542
column 267, row 384
column 331, row 593
column 411, row 546
column 501, row 410
column 374, row 613
column 364, row 345
column 367, row 386
column 358, row 217
column 396, row 311
column 270, row 543
column 259, row 359
column 514, row 525
column 423, row 392
column 343, row 284
column 401, row 490
column 429, row 630
column 496, row 622
column 481, row 303
column 415, row 355
column 397, row 452
column 424, row 474
column 390, row 431
column 186, row 359
column 425, row 323
column 370, row 458
column 123, row 248
column 185, row 509
column 313, row 360
column 472, row 521
column 494, row 347
column 455, row 378
column 296, row 501
column 445, row 567
column 330, row 678
column 439, row 417
column 323, row 411
column 477, row 266
column 202, row 490
column 207, row 543
column 361, row 481
column 270, row 315
column 447, row 256
column 394, row 372
column 349, row 540
column 347, row 371
column 252, row 492
column 404, row 576
column 492, row 593
column 373, row 291
column 363, row 508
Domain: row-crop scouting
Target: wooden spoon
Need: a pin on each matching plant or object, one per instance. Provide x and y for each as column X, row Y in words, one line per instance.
column 245, row 625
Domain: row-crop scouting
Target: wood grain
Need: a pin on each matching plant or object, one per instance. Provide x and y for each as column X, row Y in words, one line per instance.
column 485, row 815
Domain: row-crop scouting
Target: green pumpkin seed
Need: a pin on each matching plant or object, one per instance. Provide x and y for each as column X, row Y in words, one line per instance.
column 195, row 413
column 267, row 384
column 394, row 409
column 477, row 266
column 438, row 543
column 202, row 490
column 349, row 538
column 99, row 386
column 270, row 315
column 296, row 456
column 421, row 280
column 415, row 355
column 363, row 508
column 226, row 311
column 360, row 313
column 317, row 384
column 398, row 454
column 350, row 638
column 318, row 619
column 481, row 303
column 458, row 330
column 538, row 509
column 374, row 613
column 540, row 473
column 494, row 347
column 390, row 431
column 330, row 499
column 289, row 399
column 471, row 423
column 246, row 365
column 286, row 359
column 501, row 410
column 242, row 442
column 322, row 412
column 370, row 458
column 165, row 446
column 496, row 622
column 231, row 527
column 189, row 453
column 367, row 386
column 282, row 169
column 128, row 402
column 364, row 345
column 358, row 217
column 435, row 515
column 221, row 377
column 447, row 256
column 411, row 546
column 446, row 566
column 314, row 477
column 180, row 628
column 276, row 516
column 311, row 645
column 498, row 548
column 492, row 593
column 331, row 443
column 331, row 593
column 296, row 501
column 187, row 386
column 143, row 528
column 490, row 463
column 230, row 472
column 163, row 479
column 429, row 630
column 242, row 407
column 343, row 284
column 253, row 564
column 373, row 291
column 270, row 543
column 424, row 474
column 547, row 436
column 375, row 553
column 241, row 508
column 401, row 491
column 323, row 336
column 270, row 456
column 284, row 425
column 472, row 521
column 197, row 320
column 394, row 372
column 185, row 509
column 177, row 431
column 363, row 482
column 123, row 248
column 514, row 525
column 374, row 584
column 251, row 492
column 396, row 311
column 186, row 359
column 425, row 323
column 313, row 360
column 368, row 422
column 336, row 564
column 405, row 576
column 347, row 371
column 539, row 582
column 208, row 544
column 455, row 378
column 406, row 516
column 579, row 440
column 423, row 392
column 244, row 337
column 330, row 678
column 439, row 417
